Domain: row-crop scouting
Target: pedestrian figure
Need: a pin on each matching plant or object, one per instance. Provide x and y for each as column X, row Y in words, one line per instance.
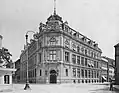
column 111, row 85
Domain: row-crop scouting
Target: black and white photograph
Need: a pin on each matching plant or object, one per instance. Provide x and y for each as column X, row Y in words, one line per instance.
column 59, row 46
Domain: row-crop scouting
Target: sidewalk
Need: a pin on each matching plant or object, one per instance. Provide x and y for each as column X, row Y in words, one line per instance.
column 116, row 86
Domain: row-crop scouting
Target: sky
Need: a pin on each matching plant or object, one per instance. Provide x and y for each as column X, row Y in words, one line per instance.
column 96, row 19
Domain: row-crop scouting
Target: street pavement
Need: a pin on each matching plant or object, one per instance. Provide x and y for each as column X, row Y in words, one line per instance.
column 62, row 88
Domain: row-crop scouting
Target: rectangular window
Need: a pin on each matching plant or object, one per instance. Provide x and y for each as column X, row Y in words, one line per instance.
column 66, row 70
column 35, row 72
column 82, row 61
column 52, row 55
column 40, row 58
column 85, row 73
column 78, row 60
column 82, row 73
column 74, row 59
column 94, row 64
column 95, row 74
column 67, row 56
column 91, row 54
column 92, row 74
column 78, row 73
column 78, row 49
column 74, row 72
column 85, row 61
column 40, row 72
column 89, row 73
column 82, row 50
column 85, row 51
column 97, row 64
column 45, row 72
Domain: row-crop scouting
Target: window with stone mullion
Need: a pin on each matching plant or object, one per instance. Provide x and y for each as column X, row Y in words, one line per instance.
column 82, row 73
column 67, row 56
column 74, row 59
column 92, row 73
column 52, row 55
column 78, row 73
column 85, row 73
column 86, row 62
column 82, row 61
column 74, row 72
column 78, row 60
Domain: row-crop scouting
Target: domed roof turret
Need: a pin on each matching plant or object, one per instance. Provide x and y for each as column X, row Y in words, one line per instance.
column 55, row 17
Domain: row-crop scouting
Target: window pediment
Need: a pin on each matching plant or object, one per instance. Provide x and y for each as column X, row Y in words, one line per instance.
column 53, row 39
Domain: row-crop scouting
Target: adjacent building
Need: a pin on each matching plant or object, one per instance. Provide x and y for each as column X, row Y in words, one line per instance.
column 117, row 64
column 5, row 73
column 17, row 72
column 104, row 69
column 108, row 68
column 59, row 54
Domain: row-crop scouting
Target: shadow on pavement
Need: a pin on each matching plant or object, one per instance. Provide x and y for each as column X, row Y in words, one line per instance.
column 105, row 90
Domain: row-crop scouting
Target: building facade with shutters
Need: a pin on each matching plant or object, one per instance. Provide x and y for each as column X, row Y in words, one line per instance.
column 59, row 54
column 104, row 70
column 110, row 67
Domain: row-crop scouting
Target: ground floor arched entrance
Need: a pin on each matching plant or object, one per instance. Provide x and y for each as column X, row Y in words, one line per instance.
column 53, row 76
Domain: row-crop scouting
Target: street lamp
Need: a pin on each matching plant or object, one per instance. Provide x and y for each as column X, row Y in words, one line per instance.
column 27, row 77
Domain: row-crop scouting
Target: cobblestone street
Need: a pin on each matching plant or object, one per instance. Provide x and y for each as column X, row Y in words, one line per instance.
column 62, row 88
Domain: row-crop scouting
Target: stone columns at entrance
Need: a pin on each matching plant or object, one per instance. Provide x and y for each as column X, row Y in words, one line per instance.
column 2, row 79
column 10, row 79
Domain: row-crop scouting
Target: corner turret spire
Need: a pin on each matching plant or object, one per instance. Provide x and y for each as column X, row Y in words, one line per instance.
column 54, row 17
column 54, row 7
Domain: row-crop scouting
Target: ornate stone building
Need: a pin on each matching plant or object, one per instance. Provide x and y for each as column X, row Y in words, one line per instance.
column 59, row 54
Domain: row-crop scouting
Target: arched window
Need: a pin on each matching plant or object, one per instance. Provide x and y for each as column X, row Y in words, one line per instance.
column 6, row 79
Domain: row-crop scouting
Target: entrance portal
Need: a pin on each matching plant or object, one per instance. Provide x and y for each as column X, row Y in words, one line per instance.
column 53, row 76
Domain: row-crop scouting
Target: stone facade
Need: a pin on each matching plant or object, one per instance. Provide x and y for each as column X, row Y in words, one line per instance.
column 59, row 54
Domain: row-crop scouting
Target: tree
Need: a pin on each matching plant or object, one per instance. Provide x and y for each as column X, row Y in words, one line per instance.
column 5, row 57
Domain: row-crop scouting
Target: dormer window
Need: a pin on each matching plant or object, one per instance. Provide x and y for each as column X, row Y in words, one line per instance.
column 90, row 42
column 95, row 45
column 84, row 39
column 75, row 34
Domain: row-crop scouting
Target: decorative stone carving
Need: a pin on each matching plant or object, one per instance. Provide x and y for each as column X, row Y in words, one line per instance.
column 52, row 40
column 73, row 46
column 67, row 43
